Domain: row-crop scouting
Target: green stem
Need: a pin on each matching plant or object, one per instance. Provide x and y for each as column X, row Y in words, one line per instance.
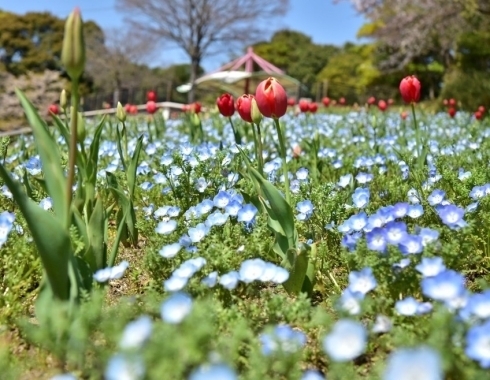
column 260, row 150
column 256, row 144
column 75, row 99
column 235, row 133
column 283, row 156
column 417, row 134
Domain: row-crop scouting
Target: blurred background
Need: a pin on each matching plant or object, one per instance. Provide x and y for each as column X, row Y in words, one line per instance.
column 351, row 49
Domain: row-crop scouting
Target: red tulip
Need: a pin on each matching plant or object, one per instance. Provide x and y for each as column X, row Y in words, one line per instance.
column 151, row 96
column 326, row 101
column 313, row 107
column 404, row 115
column 478, row 115
column 445, row 102
column 54, row 109
column 151, row 107
column 226, row 105
column 304, row 105
column 244, row 107
column 410, row 89
column 452, row 102
column 271, row 98
column 481, row 109
column 342, row 101
column 371, row 101
column 291, row 101
column 194, row 107
column 382, row 105
column 127, row 108
column 390, row 101
column 133, row 110
column 451, row 111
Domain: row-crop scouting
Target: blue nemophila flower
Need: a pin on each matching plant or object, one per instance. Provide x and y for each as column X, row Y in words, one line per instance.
column 210, row 280
column 170, row 250
column 349, row 241
column 159, row 179
column 146, row 185
column 161, row 211
column 409, row 306
column 302, row 174
column 382, row 324
column 471, row 207
column 196, row 234
column 33, row 165
column 114, row 273
column 175, row 283
column 395, row 232
column 411, row 244
column 363, row 178
column 233, row 207
column 143, row 168
column 421, row 363
column 312, row 374
column 229, row 280
column 166, row 228
column 444, row 286
column 478, row 305
column 127, row 367
column 274, row 273
column 6, row 224
column 357, row 222
column 222, row 199
column 345, row 180
column 6, row 192
column 363, row 281
column 247, row 213
column 136, row 333
column 189, row 267
column 205, row 206
column 374, row 221
column 430, row 267
column 350, row 301
column 413, row 196
column 201, row 184
column 252, row 270
column 295, row 186
column 400, row 209
column 282, row 338
column 213, row 372
column 376, row 240
column 46, row 203
column 360, row 198
column 477, row 192
column 176, row 307
column 436, row 197
column 415, row 211
column 305, row 209
column 217, row 218
column 173, row 211
column 346, row 341
column 452, row 216
column 478, row 344
column 428, row 236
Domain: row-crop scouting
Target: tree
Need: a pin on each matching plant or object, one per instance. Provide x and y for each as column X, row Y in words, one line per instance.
column 410, row 29
column 296, row 54
column 202, row 27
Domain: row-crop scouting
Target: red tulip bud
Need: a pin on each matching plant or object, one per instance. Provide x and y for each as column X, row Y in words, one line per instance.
column 195, row 107
column 133, row 110
column 244, row 107
column 371, row 101
column 451, row 111
column 151, row 107
column 452, row 102
column 151, row 96
column 481, row 109
column 271, row 98
column 54, row 109
column 382, row 105
column 127, row 108
column 478, row 115
column 326, row 101
column 410, row 89
column 291, row 101
column 304, row 105
column 313, row 107
column 226, row 105
column 342, row 101
column 390, row 102
column 404, row 115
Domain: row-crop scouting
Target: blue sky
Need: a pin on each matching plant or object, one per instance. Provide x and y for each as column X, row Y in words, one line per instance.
column 324, row 21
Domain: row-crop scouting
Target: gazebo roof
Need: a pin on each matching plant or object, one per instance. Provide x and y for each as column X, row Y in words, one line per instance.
column 238, row 76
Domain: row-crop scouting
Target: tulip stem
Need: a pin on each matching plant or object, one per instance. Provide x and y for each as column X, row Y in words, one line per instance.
column 256, row 144
column 283, row 156
column 260, row 150
column 75, row 98
column 417, row 135
column 235, row 133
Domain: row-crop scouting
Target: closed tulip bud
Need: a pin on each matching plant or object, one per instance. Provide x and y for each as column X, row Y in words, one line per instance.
column 226, row 105
column 151, row 96
column 291, row 101
column 342, row 101
column 244, row 107
column 73, row 51
column 481, row 109
column 478, row 115
column 452, row 102
column 195, row 120
column 81, row 130
column 63, row 100
column 410, row 89
column 255, row 112
column 133, row 110
column 304, row 105
column 371, row 100
column 151, row 107
column 121, row 112
column 382, row 105
column 54, row 109
column 313, row 107
column 271, row 98
column 404, row 115
column 326, row 101
column 196, row 107
column 451, row 111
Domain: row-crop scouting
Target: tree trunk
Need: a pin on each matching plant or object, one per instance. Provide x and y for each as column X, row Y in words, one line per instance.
column 195, row 63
